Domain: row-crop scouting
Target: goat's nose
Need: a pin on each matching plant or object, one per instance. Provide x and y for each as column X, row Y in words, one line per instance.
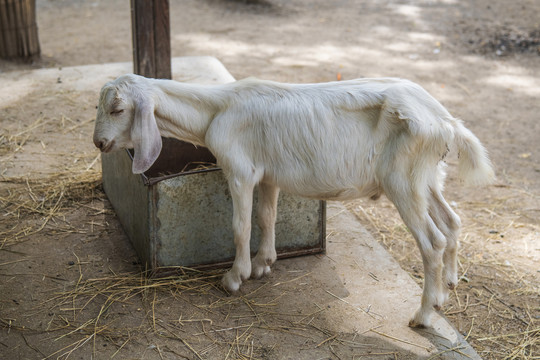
column 99, row 144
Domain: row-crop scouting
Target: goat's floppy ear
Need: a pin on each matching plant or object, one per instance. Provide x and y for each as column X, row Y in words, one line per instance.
column 144, row 135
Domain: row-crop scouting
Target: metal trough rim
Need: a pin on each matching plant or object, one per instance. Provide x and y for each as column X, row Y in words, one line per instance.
column 193, row 153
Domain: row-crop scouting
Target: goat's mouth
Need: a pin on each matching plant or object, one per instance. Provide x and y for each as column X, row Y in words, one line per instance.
column 108, row 147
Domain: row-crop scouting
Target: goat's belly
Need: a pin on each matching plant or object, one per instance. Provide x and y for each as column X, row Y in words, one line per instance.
column 343, row 194
column 333, row 193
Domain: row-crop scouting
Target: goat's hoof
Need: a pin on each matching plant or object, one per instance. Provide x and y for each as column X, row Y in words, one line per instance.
column 451, row 280
column 261, row 266
column 421, row 319
column 415, row 325
column 231, row 282
column 260, row 271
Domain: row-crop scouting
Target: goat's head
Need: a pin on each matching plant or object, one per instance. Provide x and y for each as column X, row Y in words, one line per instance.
column 125, row 119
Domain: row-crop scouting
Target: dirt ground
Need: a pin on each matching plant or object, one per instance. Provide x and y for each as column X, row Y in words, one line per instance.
column 481, row 59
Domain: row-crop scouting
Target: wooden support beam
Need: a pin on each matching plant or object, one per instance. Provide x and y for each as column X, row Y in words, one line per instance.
column 18, row 30
column 151, row 38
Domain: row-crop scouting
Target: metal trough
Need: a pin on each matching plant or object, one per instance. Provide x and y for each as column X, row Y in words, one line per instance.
column 178, row 215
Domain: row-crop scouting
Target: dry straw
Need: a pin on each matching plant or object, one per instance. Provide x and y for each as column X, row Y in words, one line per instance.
column 45, row 200
column 88, row 310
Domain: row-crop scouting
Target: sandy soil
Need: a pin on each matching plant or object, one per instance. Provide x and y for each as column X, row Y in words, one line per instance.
column 480, row 59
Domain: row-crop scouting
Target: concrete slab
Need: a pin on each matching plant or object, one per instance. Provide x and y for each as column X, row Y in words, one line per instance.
column 372, row 296
column 18, row 84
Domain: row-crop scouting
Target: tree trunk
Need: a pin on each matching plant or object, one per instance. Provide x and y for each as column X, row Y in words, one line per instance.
column 18, row 30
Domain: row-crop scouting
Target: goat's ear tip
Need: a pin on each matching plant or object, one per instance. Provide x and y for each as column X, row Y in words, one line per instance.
column 138, row 169
column 139, row 166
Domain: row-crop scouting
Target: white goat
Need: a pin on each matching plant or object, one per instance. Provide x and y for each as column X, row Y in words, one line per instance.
column 337, row 141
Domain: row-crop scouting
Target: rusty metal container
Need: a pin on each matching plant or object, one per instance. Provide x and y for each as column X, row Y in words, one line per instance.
column 176, row 214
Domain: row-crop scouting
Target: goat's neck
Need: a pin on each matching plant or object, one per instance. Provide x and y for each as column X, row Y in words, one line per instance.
column 185, row 111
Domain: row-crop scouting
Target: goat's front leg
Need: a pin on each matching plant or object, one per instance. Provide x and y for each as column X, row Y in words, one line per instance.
column 266, row 212
column 242, row 198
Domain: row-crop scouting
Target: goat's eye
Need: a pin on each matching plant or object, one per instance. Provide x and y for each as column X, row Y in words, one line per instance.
column 117, row 112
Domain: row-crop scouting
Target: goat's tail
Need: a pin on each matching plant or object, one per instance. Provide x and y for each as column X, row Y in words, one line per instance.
column 474, row 165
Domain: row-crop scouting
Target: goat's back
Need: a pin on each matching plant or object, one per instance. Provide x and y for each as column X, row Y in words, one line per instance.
column 330, row 140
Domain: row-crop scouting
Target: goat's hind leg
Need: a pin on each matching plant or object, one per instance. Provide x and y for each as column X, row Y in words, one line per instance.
column 432, row 244
column 266, row 212
column 412, row 206
column 449, row 223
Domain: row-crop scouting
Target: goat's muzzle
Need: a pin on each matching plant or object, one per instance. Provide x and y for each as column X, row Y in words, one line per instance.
column 104, row 145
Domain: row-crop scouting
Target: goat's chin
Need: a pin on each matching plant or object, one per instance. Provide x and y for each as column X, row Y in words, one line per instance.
column 117, row 146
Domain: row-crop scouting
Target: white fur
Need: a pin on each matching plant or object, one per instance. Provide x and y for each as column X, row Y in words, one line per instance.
column 338, row 141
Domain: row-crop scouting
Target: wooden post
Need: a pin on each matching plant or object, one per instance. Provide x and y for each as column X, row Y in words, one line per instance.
column 151, row 38
column 152, row 52
column 18, row 30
